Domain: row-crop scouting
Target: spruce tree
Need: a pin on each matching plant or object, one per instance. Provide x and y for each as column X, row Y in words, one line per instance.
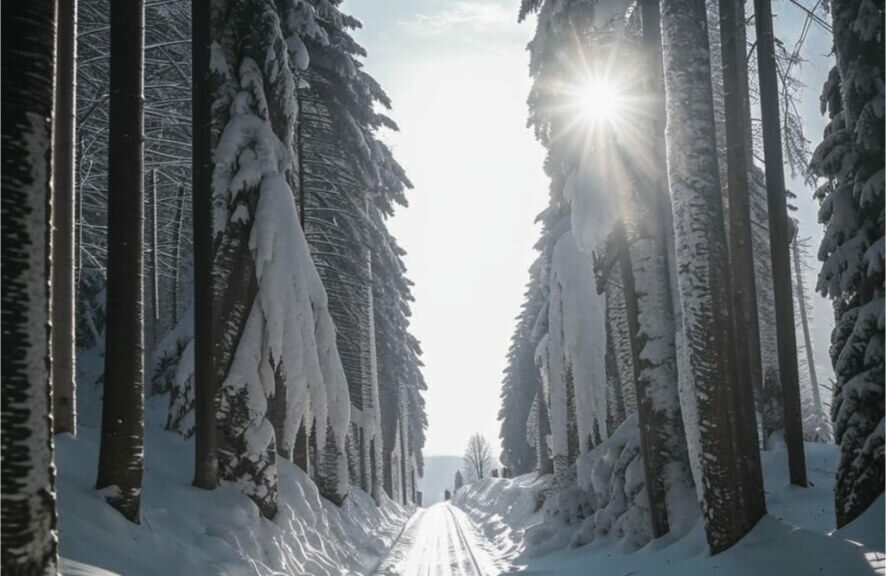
column 850, row 162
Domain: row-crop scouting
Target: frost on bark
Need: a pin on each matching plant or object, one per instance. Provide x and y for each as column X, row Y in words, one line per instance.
column 850, row 162
column 702, row 264
column 63, row 289
column 121, row 452
column 746, row 337
column 27, row 483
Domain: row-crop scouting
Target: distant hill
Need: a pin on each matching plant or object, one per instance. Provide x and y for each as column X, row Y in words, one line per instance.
column 439, row 475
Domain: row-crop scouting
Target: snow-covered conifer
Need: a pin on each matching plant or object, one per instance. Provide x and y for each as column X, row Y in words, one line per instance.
column 850, row 160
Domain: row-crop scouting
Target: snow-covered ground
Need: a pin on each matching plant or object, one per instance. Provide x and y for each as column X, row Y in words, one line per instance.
column 186, row 531
column 796, row 537
column 440, row 541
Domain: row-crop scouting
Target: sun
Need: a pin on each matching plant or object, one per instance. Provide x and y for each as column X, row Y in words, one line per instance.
column 599, row 100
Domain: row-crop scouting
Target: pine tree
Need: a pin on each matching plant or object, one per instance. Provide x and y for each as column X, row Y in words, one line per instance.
column 27, row 482
column 701, row 257
column 520, row 383
column 275, row 338
column 850, row 160
column 779, row 242
column 746, row 337
column 816, row 425
column 121, row 452
column 167, row 151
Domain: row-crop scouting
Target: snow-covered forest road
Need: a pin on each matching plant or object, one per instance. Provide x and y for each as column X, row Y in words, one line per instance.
column 438, row 541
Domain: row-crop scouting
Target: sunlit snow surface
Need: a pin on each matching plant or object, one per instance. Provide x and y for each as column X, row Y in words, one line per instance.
column 796, row 537
column 439, row 541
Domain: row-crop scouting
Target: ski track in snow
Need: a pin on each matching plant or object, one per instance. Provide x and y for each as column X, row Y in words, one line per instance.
column 438, row 541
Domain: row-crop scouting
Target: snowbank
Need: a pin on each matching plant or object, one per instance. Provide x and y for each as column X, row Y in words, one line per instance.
column 796, row 537
column 189, row 531
column 504, row 508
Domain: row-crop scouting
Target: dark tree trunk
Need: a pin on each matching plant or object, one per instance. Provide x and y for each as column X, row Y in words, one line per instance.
column 122, row 440
column 746, row 335
column 779, row 241
column 616, row 413
column 63, row 201
column 206, row 460
column 27, row 481
column 545, row 464
column 300, row 453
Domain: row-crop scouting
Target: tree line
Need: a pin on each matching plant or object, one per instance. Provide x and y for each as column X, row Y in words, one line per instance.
column 669, row 278
column 198, row 193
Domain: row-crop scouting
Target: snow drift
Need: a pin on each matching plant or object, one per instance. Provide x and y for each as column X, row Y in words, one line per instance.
column 545, row 532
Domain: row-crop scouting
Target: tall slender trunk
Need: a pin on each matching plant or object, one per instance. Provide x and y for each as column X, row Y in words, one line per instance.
column 652, row 453
column 177, row 251
column 645, row 260
column 804, row 326
column 779, row 241
column 63, row 203
column 27, row 478
column 701, row 257
column 155, row 288
column 121, row 459
column 744, row 291
column 206, row 435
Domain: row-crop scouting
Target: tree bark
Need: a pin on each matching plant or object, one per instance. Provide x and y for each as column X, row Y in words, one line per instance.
column 779, row 241
column 746, row 335
column 27, row 480
column 646, row 284
column 122, row 440
column 701, row 257
column 205, row 432
column 63, row 201
column 177, row 250
column 545, row 464
column 807, row 339
column 651, row 451
column 155, row 261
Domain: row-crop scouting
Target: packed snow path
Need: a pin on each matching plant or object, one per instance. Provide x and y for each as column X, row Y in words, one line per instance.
column 438, row 541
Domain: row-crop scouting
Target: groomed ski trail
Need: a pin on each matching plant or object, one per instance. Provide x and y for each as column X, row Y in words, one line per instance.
column 438, row 541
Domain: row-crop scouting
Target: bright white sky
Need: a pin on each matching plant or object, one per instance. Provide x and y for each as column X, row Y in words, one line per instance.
column 457, row 73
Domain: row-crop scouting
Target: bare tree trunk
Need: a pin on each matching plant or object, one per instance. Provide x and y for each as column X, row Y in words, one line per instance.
column 702, row 258
column 778, row 234
column 63, row 202
column 27, row 478
column 744, row 290
column 545, row 464
column 206, row 435
column 300, row 453
column 804, row 324
column 177, row 250
column 155, row 256
column 652, row 465
column 121, row 452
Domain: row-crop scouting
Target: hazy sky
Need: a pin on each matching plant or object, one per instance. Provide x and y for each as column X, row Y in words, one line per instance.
column 457, row 73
